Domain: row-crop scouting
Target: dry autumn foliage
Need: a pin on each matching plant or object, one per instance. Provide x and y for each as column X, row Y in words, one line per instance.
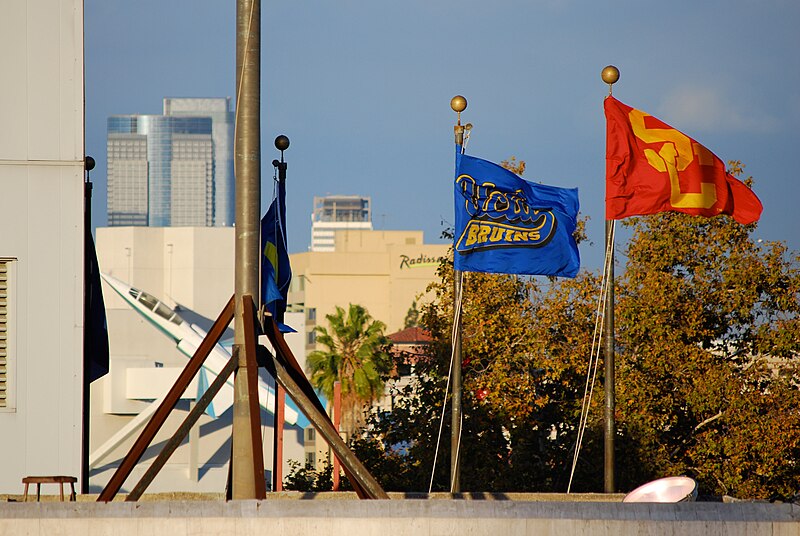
column 708, row 339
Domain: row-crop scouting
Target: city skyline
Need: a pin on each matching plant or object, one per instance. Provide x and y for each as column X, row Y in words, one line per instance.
column 174, row 169
column 363, row 91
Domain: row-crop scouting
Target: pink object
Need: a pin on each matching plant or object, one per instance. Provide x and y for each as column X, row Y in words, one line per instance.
column 672, row 489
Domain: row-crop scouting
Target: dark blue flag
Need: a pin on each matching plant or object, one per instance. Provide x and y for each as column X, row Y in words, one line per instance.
column 95, row 329
column 507, row 225
column 276, row 272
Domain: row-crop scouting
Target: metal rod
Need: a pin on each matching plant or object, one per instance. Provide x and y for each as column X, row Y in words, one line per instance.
column 277, row 341
column 280, row 418
column 455, row 437
column 455, row 428
column 288, row 374
column 247, row 169
column 608, row 328
column 180, row 434
column 163, row 411
column 337, row 420
column 252, row 385
column 86, row 402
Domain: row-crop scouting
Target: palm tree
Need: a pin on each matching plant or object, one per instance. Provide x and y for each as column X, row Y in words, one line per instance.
column 356, row 356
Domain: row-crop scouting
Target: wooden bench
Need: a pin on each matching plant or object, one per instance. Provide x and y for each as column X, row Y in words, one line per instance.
column 39, row 480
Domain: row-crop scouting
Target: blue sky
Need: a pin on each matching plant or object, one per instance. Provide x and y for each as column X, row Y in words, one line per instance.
column 362, row 89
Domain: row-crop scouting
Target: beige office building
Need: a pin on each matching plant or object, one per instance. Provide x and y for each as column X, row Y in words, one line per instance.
column 385, row 271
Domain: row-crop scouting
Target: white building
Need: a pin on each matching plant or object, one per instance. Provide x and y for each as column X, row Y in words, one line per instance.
column 191, row 270
column 41, row 245
column 337, row 213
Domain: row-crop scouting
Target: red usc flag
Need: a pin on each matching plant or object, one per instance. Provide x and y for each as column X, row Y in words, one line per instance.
column 651, row 167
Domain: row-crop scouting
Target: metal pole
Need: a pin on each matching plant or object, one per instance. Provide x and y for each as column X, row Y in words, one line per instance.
column 247, row 168
column 180, row 434
column 281, row 143
column 86, row 400
column 289, row 373
column 610, row 75
column 608, row 328
column 167, row 405
column 337, row 419
column 455, row 438
column 277, row 453
column 357, row 473
column 458, row 104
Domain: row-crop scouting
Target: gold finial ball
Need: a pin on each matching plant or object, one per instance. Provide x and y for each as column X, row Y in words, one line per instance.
column 281, row 143
column 610, row 75
column 458, row 103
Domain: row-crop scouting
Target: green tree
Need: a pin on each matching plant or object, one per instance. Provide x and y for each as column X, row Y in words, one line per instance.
column 356, row 355
column 523, row 376
column 306, row 478
column 412, row 316
column 708, row 338
column 522, row 385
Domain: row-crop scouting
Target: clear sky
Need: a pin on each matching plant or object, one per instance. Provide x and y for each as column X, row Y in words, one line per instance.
column 362, row 88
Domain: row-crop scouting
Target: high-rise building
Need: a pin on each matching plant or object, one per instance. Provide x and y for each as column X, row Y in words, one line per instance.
column 336, row 213
column 174, row 169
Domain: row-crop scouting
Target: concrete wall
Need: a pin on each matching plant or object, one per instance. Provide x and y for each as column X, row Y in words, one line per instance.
column 398, row 518
column 41, row 233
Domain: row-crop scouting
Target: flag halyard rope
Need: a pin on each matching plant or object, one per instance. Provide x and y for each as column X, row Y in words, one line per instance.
column 594, row 357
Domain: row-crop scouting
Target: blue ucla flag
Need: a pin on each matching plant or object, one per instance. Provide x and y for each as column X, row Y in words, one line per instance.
column 276, row 272
column 507, row 225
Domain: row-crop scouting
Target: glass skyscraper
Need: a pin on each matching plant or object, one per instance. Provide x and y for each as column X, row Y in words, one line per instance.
column 174, row 169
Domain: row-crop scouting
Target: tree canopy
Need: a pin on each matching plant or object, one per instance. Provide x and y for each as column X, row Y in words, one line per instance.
column 708, row 339
column 356, row 355
column 709, row 336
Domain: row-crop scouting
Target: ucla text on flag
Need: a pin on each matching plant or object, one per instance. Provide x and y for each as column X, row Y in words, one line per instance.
column 505, row 224
column 276, row 272
column 651, row 167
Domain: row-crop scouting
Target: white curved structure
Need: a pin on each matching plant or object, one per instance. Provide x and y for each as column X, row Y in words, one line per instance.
column 187, row 338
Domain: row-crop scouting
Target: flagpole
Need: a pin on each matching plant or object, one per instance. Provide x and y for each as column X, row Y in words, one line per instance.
column 281, row 143
column 87, row 223
column 610, row 75
column 247, row 169
column 458, row 104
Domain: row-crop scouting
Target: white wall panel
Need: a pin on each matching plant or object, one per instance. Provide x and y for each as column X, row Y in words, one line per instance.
column 44, row 86
column 13, row 90
column 41, row 216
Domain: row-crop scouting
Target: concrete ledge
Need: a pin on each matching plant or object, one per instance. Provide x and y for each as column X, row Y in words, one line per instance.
column 397, row 517
column 349, row 495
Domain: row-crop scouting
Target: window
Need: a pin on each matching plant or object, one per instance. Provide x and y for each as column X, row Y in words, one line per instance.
column 312, row 338
column 311, row 459
column 311, row 314
column 6, row 334
column 311, row 434
column 148, row 301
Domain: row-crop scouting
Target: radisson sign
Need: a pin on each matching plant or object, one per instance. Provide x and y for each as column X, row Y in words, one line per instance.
column 419, row 261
